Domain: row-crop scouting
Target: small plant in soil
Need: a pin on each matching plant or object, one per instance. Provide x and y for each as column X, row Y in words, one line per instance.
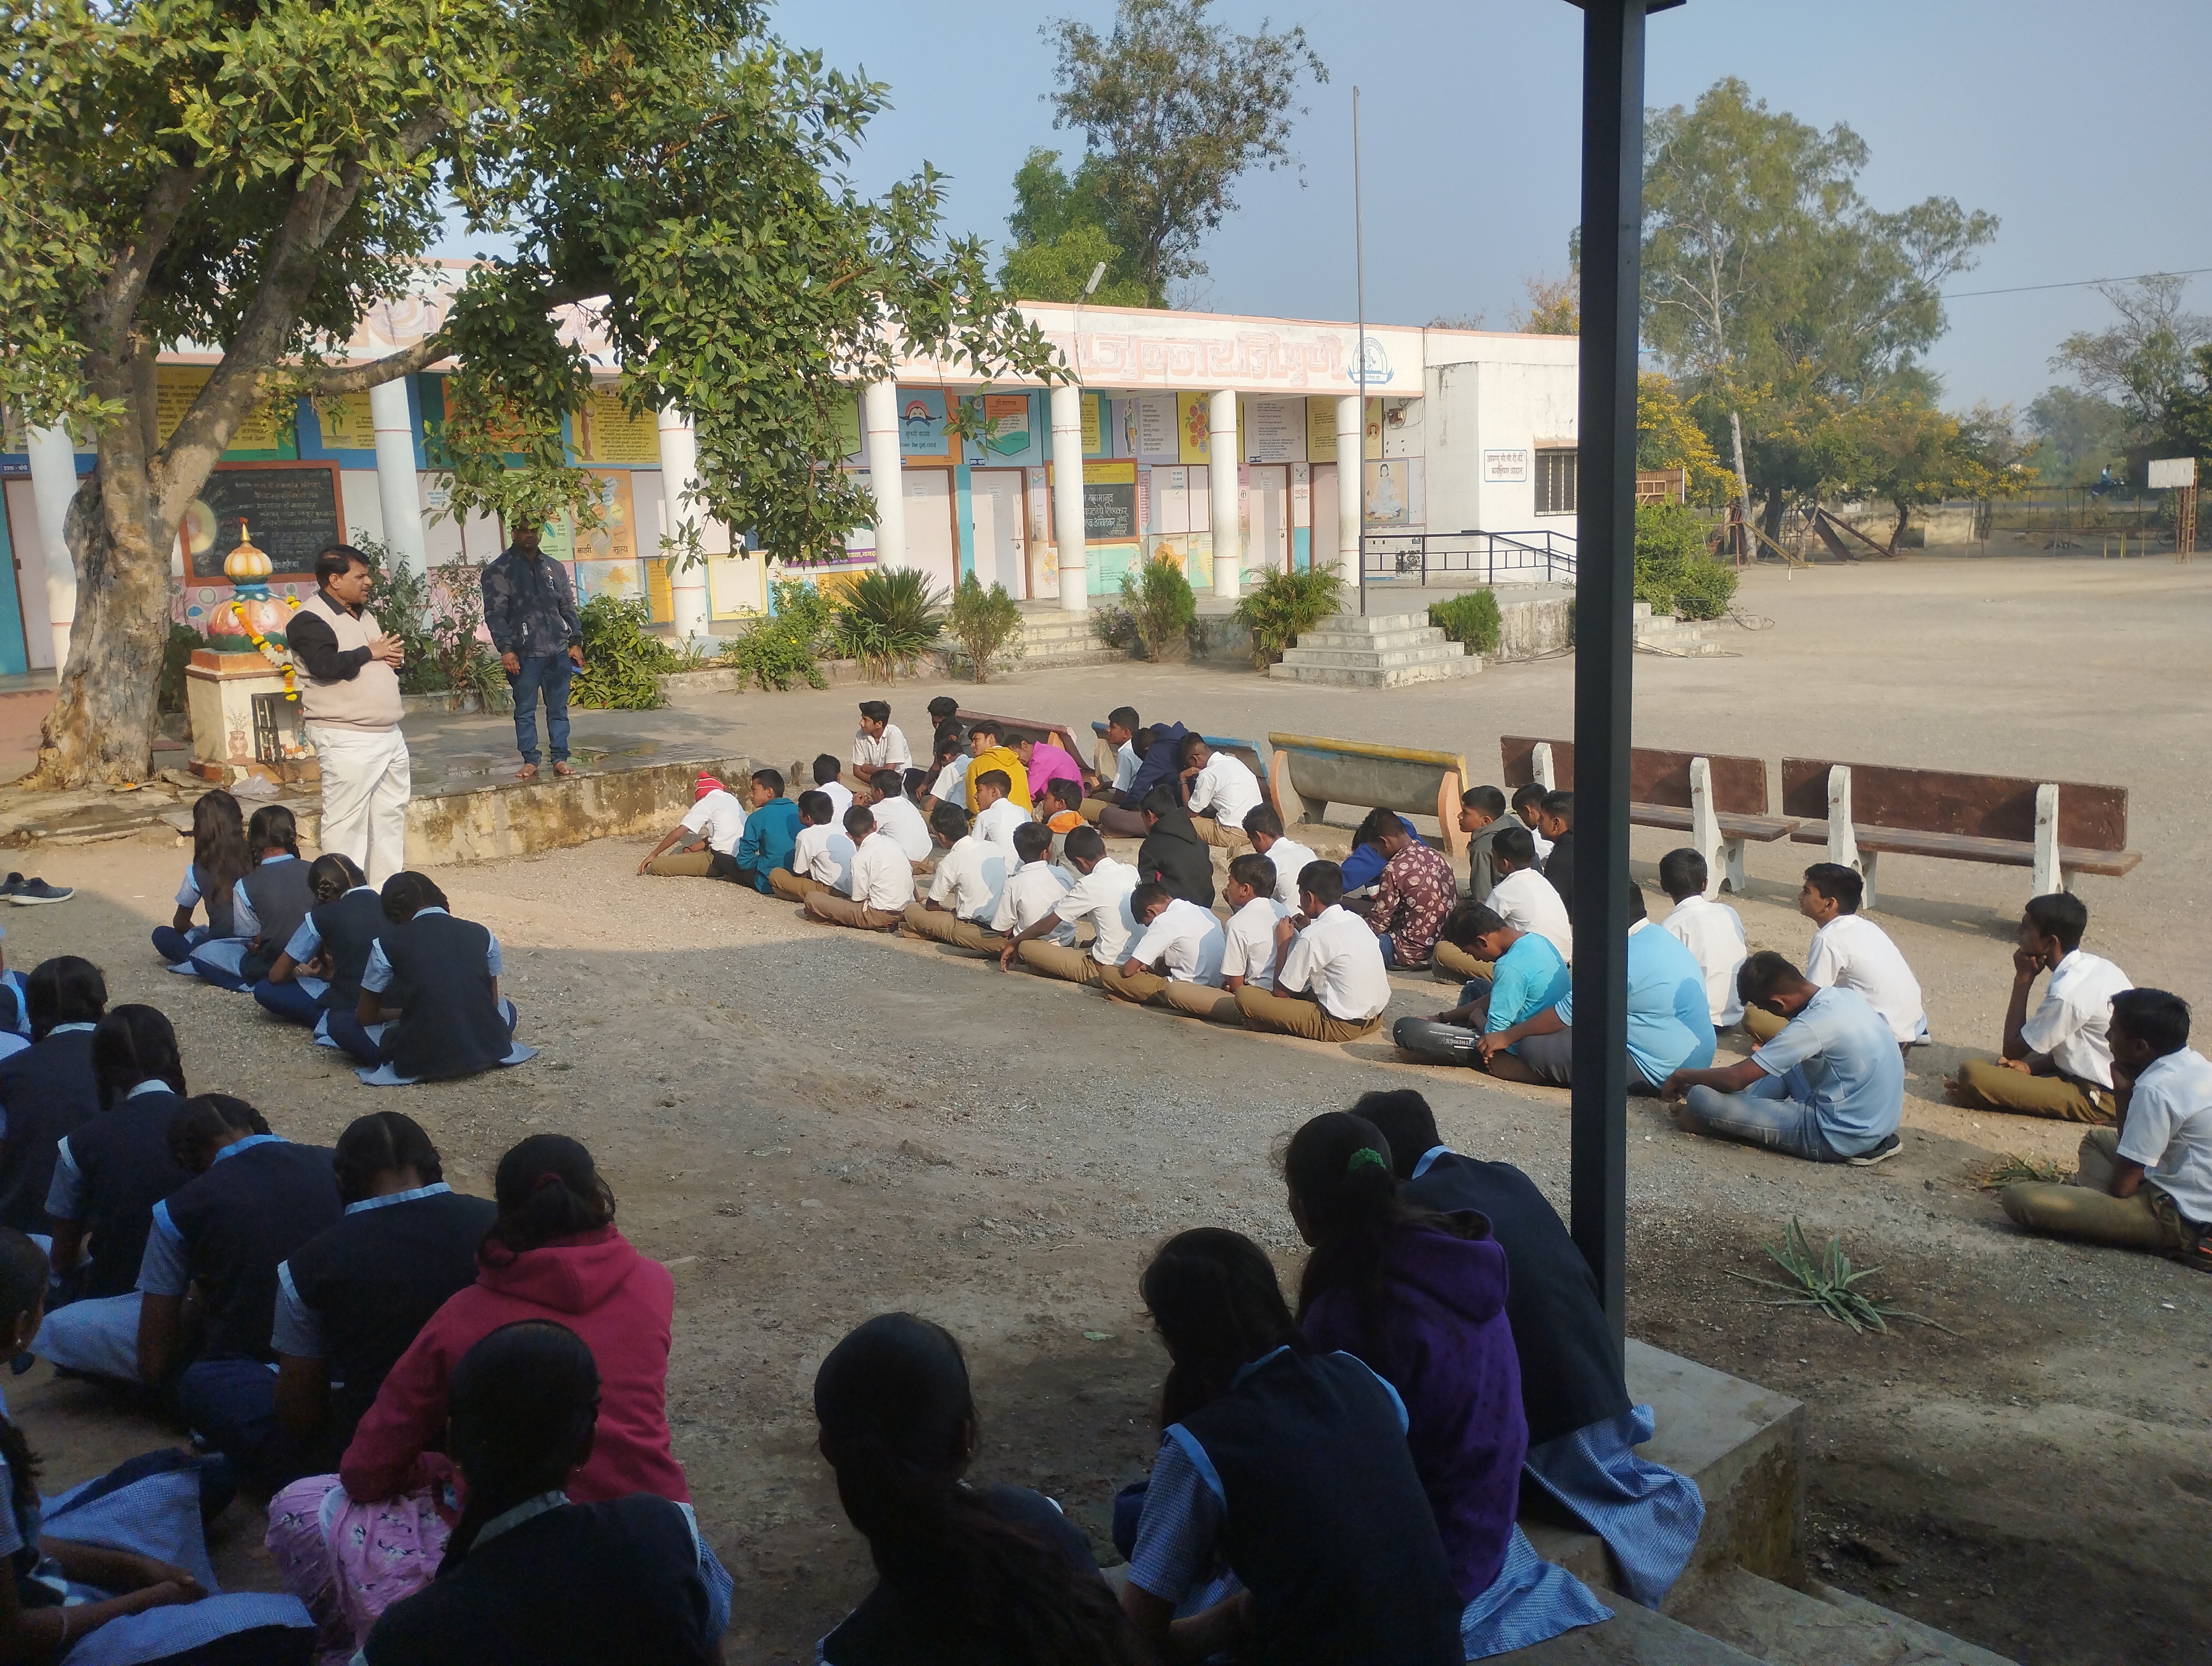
column 1829, row 1284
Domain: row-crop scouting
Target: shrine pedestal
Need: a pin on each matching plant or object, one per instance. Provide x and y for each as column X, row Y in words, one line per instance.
column 242, row 724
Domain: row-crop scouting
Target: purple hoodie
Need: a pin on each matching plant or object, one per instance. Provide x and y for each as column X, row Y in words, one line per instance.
column 1445, row 1346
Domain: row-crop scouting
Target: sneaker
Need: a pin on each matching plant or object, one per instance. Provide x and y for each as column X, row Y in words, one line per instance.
column 8, row 886
column 1881, row 1154
column 30, row 891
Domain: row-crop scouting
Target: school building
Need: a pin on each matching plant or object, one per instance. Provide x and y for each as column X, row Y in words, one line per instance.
column 1221, row 442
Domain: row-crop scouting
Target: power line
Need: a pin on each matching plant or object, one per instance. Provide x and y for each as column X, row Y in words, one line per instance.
column 2079, row 283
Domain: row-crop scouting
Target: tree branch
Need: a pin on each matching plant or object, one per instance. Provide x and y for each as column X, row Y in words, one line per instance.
column 126, row 284
column 359, row 377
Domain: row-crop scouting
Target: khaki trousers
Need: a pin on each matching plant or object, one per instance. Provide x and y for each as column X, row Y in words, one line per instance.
column 824, row 903
column 1289, row 1015
column 1201, row 1001
column 1093, row 808
column 2084, row 1208
column 1076, row 965
column 1222, row 838
column 1453, row 962
column 681, row 865
column 1760, row 1024
column 943, row 926
column 1986, row 1084
column 793, row 887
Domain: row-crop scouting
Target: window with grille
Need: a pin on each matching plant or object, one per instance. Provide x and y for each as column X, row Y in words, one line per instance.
column 1555, row 482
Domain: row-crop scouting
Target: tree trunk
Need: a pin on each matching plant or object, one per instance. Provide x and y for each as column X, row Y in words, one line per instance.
column 1903, row 513
column 1770, row 514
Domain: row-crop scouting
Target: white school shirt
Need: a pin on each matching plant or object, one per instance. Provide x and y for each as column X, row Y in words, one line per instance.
column 970, row 877
column 1224, row 790
column 2169, row 1129
column 1189, row 939
column 1032, row 891
column 1124, row 766
column 720, row 818
column 825, row 855
column 840, row 797
column 2070, row 1024
column 1249, row 942
column 1713, row 932
column 900, row 819
column 883, row 878
column 1290, row 858
column 1102, row 896
column 997, row 822
column 1852, row 952
column 951, row 785
column 887, row 751
column 1525, row 899
column 1337, row 960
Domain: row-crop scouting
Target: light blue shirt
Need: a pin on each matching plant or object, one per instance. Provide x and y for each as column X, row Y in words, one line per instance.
column 1528, row 977
column 65, row 1197
column 167, row 1269
column 307, row 940
column 1839, row 1057
column 1670, row 1023
column 298, row 1330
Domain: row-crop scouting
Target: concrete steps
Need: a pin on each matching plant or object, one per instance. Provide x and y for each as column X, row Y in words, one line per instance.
column 1049, row 637
column 1382, row 651
column 1821, row 1626
column 1664, row 633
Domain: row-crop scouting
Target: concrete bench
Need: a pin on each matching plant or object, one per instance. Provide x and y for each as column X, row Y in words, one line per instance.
column 1720, row 801
column 1860, row 810
column 1011, row 729
column 1247, row 752
column 1315, row 773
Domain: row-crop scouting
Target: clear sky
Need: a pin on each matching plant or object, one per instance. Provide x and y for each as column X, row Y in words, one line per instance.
column 2055, row 118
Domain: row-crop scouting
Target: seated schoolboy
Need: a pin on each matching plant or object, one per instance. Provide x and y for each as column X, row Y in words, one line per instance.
column 266, row 905
column 1710, row 930
column 1851, row 951
column 1220, row 791
column 48, row 1090
column 1584, row 1430
column 949, row 761
column 1458, row 955
column 304, row 982
column 1482, row 813
column 1670, row 1027
column 1419, row 1298
column 1555, row 820
column 2148, row 1184
column 1263, row 826
column 1330, row 984
column 821, row 855
column 989, row 752
column 1363, row 865
column 708, row 835
column 528, row 1578
column 1099, row 899
column 997, row 815
column 1529, row 810
column 255, row 1200
column 1062, row 811
column 942, row 710
column 219, row 861
column 1412, row 894
column 1034, row 887
column 1290, row 1465
column 1523, row 897
column 353, row 1297
column 882, row 879
column 1248, row 937
column 1176, row 960
column 1828, row 1087
column 964, row 1572
column 1107, row 791
column 963, row 892
column 2058, row 1061
column 895, row 815
column 877, row 744
column 827, row 774
column 1172, row 851
column 1045, row 761
column 771, row 832
column 1120, row 818
column 430, row 1008
column 1528, row 977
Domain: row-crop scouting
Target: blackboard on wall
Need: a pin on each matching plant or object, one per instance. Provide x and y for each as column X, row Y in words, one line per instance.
column 1109, row 511
column 293, row 513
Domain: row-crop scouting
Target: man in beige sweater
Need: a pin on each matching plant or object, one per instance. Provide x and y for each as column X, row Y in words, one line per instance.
column 349, row 708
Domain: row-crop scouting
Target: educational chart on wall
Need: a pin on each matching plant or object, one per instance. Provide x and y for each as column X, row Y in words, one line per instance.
column 1109, row 502
column 1156, row 428
column 1006, row 424
column 345, row 422
column 1094, row 425
column 175, row 387
column 1274, row 430
column 1321, row 430
column 1193, row 433
column 292, row 511
column 922, row 430
column 604, row 432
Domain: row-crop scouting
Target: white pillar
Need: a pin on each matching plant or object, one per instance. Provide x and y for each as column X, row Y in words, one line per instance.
column 1067, row 497
column 53, row 483
column 879, row 414
column 1222, row 475
column 1351, row 470
column 679, row 479
column 398, row 492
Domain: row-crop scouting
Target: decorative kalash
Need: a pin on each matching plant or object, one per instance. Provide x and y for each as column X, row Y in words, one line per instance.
column 245, row 707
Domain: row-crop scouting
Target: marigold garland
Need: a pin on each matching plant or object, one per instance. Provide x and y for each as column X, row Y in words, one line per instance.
column 287, row 664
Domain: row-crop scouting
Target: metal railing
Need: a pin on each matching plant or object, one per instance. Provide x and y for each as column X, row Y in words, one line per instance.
column 1546, row 557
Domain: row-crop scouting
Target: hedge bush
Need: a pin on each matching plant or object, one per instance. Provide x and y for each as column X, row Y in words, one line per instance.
column 1471, row 620
column 1673, row 571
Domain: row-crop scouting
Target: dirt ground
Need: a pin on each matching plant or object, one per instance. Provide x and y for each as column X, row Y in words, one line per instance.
column 811, row 1127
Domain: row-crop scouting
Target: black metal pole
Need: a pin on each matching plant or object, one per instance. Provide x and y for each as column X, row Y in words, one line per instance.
column 1605, row 583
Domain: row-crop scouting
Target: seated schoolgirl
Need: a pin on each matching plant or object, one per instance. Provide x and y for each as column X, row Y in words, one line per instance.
column 267, row 906
column 14, row 1010
column 1421, row 1297
column 965, row 1574
column 47, row 1090
column 109, row 1172
column 219, row 861
column 253, row 1200
column 322, row 963
column 430, row 1009
column 354, row 1298
column 552, row 1252
column 530, row 1578
column 122, row 1557
column 1290, row 1466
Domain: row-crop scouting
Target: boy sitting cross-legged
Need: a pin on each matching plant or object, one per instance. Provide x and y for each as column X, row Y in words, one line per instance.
column 1177, row 958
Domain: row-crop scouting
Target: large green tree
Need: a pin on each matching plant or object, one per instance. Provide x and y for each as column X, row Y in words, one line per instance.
column 251, row 175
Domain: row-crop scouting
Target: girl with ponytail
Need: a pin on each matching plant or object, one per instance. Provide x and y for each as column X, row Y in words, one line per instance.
column 993, row 1575
column 530, row 1578
column 1420, row 1298
column 219, row 859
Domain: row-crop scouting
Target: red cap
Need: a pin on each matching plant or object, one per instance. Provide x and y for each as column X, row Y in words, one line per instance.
column 707, row 784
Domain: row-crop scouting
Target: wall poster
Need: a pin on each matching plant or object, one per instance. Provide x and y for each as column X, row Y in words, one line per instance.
column 1156, row 428
column 1272, row 430
column 1192, row 433
column 1109, row 502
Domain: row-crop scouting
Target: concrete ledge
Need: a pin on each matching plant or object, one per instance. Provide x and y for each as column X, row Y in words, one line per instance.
column 1633, row 1636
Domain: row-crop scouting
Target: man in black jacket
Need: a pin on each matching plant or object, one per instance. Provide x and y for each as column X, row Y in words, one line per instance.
column 530, row 612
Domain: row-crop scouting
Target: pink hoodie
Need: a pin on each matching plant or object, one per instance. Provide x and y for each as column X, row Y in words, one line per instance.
column 618, row 1301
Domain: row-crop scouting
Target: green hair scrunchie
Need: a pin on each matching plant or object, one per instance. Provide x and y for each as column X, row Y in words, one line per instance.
column 1365, row 1154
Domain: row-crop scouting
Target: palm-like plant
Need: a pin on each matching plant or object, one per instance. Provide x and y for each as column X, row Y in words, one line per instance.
column 888, row 620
